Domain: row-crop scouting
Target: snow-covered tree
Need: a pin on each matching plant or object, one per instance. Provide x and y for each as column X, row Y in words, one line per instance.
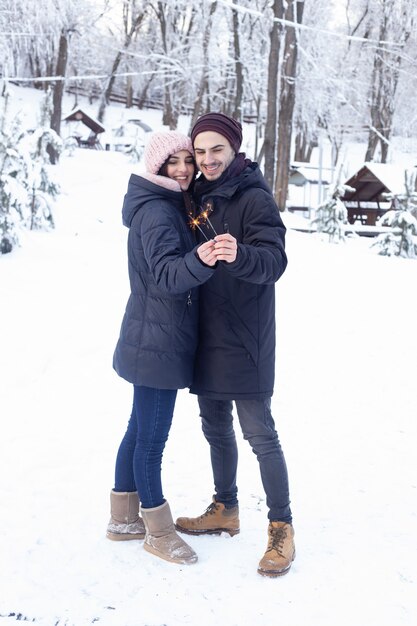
column 188, row 56
column 402, row 220
column 133, row 12
column 27, row 186
column 12, row 176
column 396, row 23
column 41, row 187
column 331, row 215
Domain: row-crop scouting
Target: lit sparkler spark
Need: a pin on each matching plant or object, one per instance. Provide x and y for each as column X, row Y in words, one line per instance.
column 205, row 216
column 195, row 223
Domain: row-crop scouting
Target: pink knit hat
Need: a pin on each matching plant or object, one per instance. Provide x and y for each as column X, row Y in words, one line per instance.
column 161, row 145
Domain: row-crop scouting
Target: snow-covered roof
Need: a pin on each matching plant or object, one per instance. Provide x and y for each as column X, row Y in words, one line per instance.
column 309, row 173
column 80, row 115
column 373, row 180
column 393, row 176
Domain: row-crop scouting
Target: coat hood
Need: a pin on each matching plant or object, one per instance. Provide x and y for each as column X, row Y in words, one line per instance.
column 149, row 188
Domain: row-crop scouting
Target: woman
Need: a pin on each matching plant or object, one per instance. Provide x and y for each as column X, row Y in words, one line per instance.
column 158, row 338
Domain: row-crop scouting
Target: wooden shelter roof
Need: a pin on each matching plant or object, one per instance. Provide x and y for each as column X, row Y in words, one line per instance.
column 373, row 180
column 78, row 115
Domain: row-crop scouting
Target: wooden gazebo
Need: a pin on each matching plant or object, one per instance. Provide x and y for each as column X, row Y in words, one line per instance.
column 367, row 203
column 79, row 121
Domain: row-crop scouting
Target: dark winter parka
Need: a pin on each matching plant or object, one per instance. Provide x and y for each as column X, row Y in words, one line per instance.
column 159, row 332
column 236, row 352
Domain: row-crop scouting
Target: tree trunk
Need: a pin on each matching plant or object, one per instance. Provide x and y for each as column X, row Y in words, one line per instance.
column 303, row 146
column 170, row 113
column 376, row 126
column 109, row 88
column 199, row 107
column 129, row 34
column 258, row 127
column 272, row 96
column 396, row 24
column 58, row 88
column 144, row 93
column 129, row 93
column 168, row 117
column 237, row 112
column 286, row 105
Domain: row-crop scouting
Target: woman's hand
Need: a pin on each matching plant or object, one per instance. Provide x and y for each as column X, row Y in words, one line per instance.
column 205, row 253
column 225, row 248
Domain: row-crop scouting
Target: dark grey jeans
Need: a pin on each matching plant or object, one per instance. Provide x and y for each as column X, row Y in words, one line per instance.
column 258, row 428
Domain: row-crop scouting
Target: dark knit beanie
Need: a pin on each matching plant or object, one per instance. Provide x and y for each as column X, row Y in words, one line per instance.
column 222, row 124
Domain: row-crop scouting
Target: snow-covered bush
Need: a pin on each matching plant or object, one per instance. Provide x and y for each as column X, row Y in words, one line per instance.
column 69, row 146
column 129, row 138
column 42, row 189
column 331, row 216
column 27, row 187
column 9, row 238
column 135, row 150
column 402, row 238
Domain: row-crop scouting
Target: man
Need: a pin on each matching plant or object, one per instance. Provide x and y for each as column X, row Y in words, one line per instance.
column 236, row 355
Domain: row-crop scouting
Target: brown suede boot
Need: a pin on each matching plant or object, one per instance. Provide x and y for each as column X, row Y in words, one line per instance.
column 161, row 538
column 125, row 523
column 215, row 520
column 280, row 552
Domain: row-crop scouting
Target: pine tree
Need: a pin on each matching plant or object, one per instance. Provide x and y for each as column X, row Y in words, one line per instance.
column 332, row 215
column 402, row 219
column 13, row 196
column 41, row 186
column 27, row 187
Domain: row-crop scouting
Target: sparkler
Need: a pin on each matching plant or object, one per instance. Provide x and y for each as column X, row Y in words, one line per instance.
column 205, row 216
column 202, row 219
column 195, row 223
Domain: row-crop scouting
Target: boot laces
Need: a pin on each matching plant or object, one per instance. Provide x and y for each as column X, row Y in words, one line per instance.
column 210, row 510
column 277, row 538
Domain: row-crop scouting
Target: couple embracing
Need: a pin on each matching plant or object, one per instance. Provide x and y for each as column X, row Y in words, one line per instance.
column 201, row 314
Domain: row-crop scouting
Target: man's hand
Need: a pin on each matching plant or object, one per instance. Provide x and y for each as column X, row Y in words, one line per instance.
column 225, row 248
column 206, row 253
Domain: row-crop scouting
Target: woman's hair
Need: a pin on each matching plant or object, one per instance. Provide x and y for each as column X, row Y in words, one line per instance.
column 163, row 170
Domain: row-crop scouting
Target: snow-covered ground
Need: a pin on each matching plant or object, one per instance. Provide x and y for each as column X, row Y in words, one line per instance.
column 345, row 407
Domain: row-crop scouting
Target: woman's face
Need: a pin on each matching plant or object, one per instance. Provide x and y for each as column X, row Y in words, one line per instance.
column 180, row 167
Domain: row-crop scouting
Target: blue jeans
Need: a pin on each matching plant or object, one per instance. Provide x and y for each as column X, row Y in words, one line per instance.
column 139, row 459
column 258, row 428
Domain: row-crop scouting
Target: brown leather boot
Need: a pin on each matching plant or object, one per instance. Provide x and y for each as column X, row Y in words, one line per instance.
column 125, row 523
column 280, row 552
column 162, row 539
column 215, row 520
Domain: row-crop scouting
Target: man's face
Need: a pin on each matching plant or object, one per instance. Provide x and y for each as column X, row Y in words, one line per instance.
column 213, row 154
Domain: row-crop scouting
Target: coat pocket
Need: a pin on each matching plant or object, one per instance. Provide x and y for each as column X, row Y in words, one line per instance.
column 245, row 338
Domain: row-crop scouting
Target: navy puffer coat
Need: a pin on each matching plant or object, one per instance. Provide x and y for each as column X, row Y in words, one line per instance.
column 158, row 337
column 236, row 354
